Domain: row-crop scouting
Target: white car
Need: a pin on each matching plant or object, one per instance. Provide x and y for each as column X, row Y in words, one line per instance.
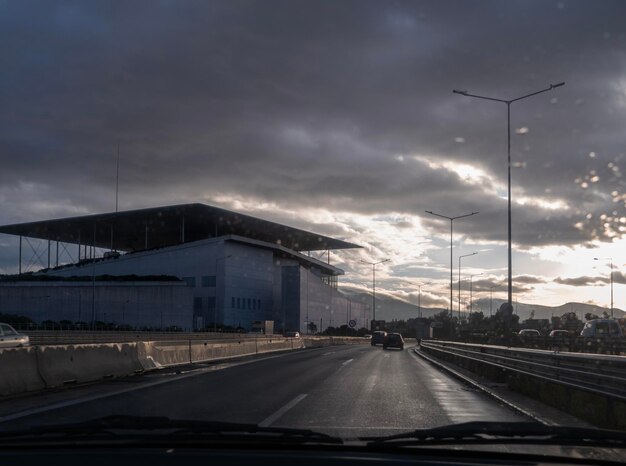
column 529, row 332
column 10, row 338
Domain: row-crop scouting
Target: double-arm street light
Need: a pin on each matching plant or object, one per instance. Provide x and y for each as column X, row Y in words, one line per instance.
column 419, row 298
column 452, row 219
column 461, row 257
column 610, row 259
column 471, row 278
column 491, row 299
column 374, row 264
column 508, row 107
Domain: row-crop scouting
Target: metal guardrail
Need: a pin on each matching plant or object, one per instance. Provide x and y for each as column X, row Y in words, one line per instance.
column 72, row 337
column 573, row 344
column 602, row 375
column 57, row 337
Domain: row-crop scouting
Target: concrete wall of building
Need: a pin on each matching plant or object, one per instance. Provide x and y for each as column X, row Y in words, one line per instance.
column 234, row 283
column 325, row 306
column 137, row 304
column 249, row 285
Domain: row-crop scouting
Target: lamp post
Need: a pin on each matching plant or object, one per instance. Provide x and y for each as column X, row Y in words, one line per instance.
column 452, row 219
column 374, row 264
column 508, row 108
column 461, row 257
column 611, row 263
column 491, row 300
column 471, row 278
column 419, row 299
column 216, row 291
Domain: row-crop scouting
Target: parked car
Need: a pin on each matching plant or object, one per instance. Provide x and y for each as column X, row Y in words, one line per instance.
column 292, row 334
column 559, row 334
column 529, row 332
column 601, row 328
column 367, row 336
column 378, row 338
column 393, row 340
column 10, row 338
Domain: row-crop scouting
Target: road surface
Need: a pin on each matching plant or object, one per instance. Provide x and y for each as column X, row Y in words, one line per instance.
column 342, row 390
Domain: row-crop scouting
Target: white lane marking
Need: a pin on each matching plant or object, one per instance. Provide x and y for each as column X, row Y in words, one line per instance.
column 345, row 363
column 268, row 421
column 326, row 354
column 86, row 399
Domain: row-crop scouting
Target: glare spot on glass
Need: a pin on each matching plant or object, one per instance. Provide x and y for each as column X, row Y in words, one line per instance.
column 592, row 155
column 460, row 140
column 522, row 130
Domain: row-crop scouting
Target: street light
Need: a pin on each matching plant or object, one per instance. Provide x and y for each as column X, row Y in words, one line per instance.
column 374, row 264
column 471, row 278
column 491, row 299
column 611, row 262
column 508, row 107
column 419, row 299
column 451, row 220
column 461, row 257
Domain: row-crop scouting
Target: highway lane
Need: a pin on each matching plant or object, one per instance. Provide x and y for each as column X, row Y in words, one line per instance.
column 344, row 390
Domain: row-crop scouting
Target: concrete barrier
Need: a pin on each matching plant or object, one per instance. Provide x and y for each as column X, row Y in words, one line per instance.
column 19, row 371
column 155, row 354
column 59, row 365
column 37, row 368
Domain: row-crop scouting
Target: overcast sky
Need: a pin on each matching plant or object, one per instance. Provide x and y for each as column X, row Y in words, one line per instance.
column 337, row 117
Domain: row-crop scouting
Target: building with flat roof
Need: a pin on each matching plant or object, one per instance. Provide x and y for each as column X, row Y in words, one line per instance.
column 231, row 269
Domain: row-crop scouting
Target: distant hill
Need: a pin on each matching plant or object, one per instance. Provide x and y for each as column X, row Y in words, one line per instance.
column 388, row 308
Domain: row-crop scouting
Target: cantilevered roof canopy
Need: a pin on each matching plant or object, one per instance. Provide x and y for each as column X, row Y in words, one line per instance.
column 135, row 230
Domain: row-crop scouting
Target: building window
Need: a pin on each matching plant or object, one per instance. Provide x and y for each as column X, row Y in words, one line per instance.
column 238, row 303
column 191, row 281
column 197, row 304
column 232, row 302
column 212, row 302
column 249, row 303
column 259, row 304
column 208, row 281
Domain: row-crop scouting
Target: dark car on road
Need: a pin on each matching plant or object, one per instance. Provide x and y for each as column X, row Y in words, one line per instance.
column 378, row 338
column 393, row 340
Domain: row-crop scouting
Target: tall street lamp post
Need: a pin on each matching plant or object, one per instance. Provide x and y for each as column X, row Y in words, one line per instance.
column 452, row 219
column 461, row 257
column 508, row 108
column 374, row 264
column 471, row 278
column 419, row 299
column 491, row 300
column 611, row 263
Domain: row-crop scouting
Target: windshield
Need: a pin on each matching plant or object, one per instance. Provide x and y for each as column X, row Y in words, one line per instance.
column 214, row 210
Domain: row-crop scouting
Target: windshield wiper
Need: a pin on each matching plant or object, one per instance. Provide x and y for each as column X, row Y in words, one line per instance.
column 504, row 432
column 145, row 428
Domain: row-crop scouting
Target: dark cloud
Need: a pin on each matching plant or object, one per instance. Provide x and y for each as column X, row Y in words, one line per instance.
column 582, row 281
column 318, row 105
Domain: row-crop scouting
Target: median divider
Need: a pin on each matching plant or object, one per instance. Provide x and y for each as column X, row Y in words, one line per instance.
column 19, row 372
column 40, row 367
column 65, row 364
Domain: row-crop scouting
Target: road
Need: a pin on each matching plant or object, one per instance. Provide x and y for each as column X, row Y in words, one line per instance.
column 342, row 390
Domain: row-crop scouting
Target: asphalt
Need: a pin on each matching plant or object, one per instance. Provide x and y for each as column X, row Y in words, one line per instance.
column 343, row 390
